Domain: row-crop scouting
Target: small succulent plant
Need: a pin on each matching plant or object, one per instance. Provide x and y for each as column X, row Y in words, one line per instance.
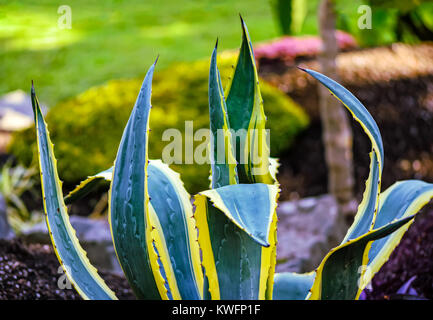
column 224, row 247
column 15, row 181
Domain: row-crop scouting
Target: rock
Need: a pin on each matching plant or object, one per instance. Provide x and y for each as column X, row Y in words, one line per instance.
column 19, row 102
column 14, row 121
column 16, row 113
column 5, row 229
column 307, row 229
column 94, row 236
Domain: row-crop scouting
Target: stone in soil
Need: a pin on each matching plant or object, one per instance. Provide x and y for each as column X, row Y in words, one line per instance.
column 307, row 230
column 94, row 236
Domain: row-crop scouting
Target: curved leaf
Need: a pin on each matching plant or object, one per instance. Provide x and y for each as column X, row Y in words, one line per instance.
column 177, row 231
column 350, row 259
column 340, row 274
column 86, row 186
column 366, row 215
column 172, row 218
column 402, row 199
column 237, row 236
column 292, row 286
column 223, row 163
column 72, row 257
column 129, row 213
column 247, row 118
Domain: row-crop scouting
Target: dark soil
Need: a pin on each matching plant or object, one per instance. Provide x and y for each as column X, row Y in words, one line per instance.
column 31, row 272
column 412, row 258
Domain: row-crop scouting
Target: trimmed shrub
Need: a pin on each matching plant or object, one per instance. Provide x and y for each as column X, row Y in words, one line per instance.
column 86, row 130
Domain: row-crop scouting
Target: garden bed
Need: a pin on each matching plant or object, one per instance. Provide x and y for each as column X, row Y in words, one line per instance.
column 411, row 259
column 32, row 272
column 399, row 99
column 402, row 105
column 401, row 102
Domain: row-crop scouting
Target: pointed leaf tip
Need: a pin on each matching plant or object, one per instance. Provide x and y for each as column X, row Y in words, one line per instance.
column 216, row 43
column 243, row 24
column 240, row 16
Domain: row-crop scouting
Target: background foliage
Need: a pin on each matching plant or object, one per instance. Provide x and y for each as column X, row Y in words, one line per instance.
column 114, row 39
column 86, row 130
column 407, row 21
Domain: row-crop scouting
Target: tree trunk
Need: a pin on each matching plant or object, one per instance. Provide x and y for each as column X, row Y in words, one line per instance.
column 337, row 133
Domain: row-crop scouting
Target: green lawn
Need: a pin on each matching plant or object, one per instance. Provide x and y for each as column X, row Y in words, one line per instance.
column 115, row 39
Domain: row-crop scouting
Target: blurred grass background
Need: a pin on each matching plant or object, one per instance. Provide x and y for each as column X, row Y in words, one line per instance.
column 114, row 39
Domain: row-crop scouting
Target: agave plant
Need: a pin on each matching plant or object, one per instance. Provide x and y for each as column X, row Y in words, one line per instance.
column 225, row 247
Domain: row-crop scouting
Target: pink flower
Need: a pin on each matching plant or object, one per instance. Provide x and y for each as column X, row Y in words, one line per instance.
column 290, row 47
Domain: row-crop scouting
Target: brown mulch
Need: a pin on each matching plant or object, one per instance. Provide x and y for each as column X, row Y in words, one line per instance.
column 31, row 272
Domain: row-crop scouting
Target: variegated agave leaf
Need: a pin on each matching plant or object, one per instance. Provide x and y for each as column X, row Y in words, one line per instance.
column 175, row 232
column 129, row 210
column 348, row 268
column 340, row 275
column 292, row 286
column 366, row 215
column 86, row 186
column 237, row 236
column 151, row 217
column 223, row 162
column 247, row 118
column 403, row 199
column 172, row 216
column 72, row 257
column 237, row 222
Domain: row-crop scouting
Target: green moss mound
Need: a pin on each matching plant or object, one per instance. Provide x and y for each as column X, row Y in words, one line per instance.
column 86, row 130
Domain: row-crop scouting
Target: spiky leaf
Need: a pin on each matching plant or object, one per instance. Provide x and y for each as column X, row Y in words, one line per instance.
column 401, row 200
column 72, row 257
column 247, row 118
column 366, row 215
column 350, row 259
column 223, row 162
column 172, row 216
column 129, row 211
column 86, row 186
column 340, row 274
column 176, row 229
column 237, row 236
